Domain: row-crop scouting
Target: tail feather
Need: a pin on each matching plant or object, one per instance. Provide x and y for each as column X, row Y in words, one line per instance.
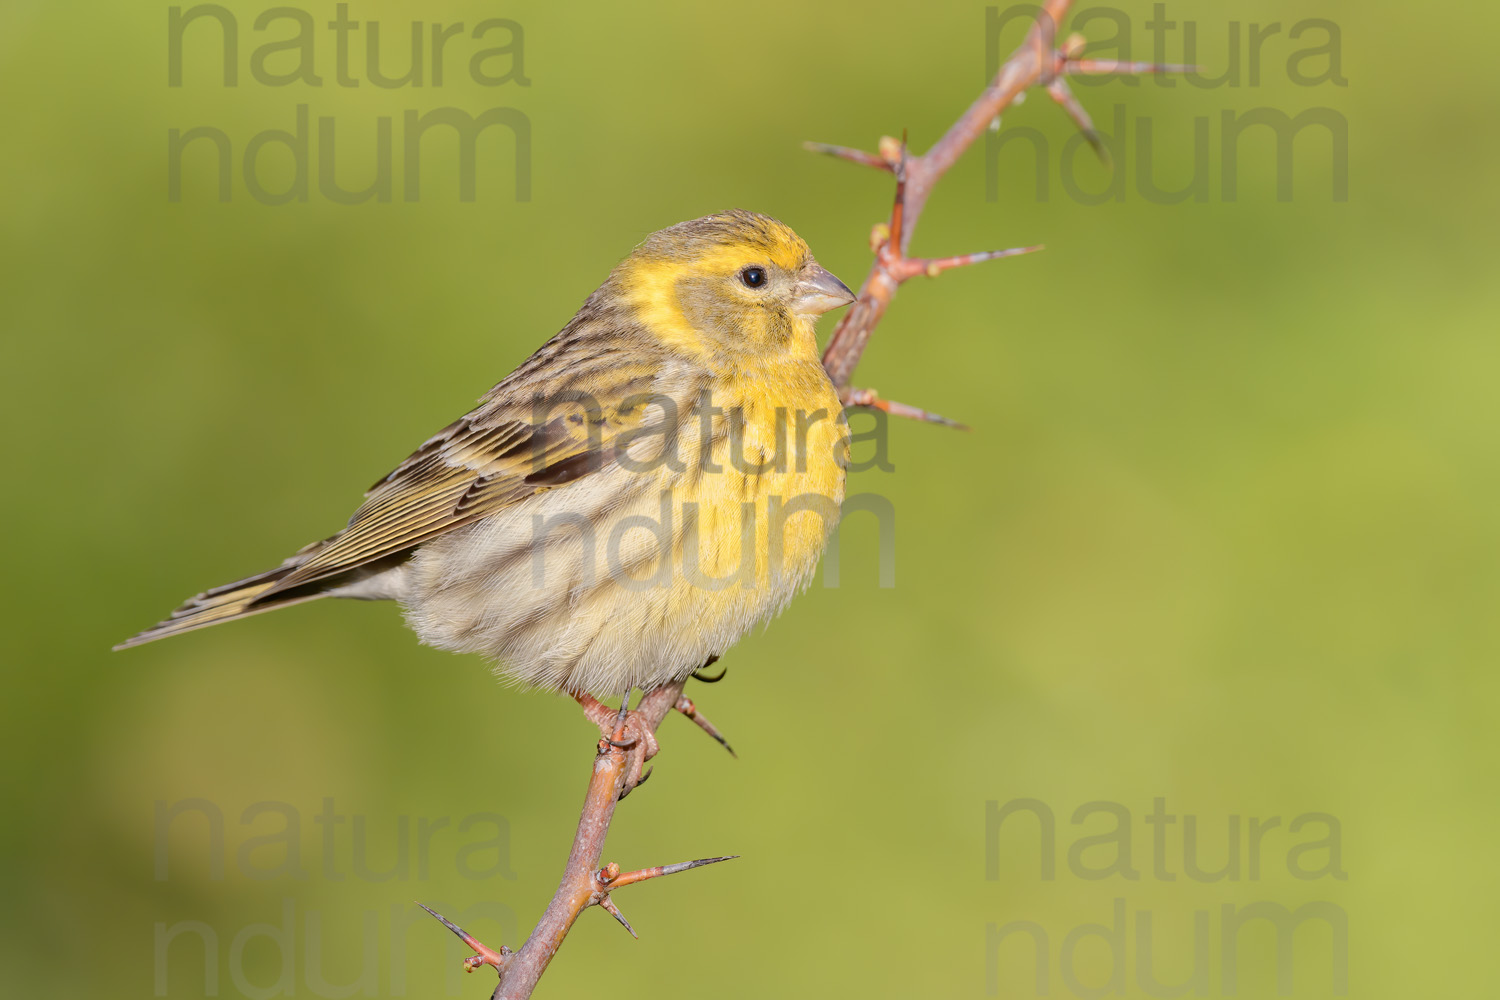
column 240, row 599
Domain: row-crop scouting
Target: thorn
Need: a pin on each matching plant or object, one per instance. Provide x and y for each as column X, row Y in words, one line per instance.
column 934, row 266
column 611, row 876
column 1063, row 95
column 485, row 956
column 1107, row 67
column 614, row 911
column 686, row 707
column 858, row 156
column 462, row 935
column 870, row 398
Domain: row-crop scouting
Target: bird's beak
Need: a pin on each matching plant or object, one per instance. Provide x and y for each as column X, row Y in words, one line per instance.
column 818, row 291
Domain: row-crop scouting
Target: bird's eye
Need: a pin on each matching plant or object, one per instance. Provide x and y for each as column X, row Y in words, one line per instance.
column 753, row 277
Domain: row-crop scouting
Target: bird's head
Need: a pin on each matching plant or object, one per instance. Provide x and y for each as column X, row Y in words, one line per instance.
column 730, row 283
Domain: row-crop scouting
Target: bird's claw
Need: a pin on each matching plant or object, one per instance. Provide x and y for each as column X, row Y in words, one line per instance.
column 635, row 738
column 700, row 675
column 624, row 730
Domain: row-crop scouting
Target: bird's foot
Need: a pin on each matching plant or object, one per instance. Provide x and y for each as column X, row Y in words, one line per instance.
column 624, row 730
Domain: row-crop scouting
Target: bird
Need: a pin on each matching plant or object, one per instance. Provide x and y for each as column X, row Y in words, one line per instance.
column 657, row 479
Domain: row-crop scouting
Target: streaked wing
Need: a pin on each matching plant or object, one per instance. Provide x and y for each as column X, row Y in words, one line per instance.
column 535, row 431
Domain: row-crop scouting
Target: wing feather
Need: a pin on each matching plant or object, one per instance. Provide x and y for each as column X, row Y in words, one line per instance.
column 537, row 434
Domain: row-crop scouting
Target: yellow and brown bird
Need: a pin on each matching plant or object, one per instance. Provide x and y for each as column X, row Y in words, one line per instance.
column 655, row 480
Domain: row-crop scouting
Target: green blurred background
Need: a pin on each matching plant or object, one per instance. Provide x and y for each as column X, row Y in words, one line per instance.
column 1225, row 531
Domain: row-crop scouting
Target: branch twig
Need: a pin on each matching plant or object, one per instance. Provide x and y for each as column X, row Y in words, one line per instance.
column 1038, row 62
column 584, row 882
column 579, row 888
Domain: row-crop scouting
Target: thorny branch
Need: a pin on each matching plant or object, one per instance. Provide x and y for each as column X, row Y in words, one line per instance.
column 627, row 740
column 1039, row 61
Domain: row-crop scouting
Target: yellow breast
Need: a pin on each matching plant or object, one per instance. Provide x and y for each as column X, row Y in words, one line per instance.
column 771, row 479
